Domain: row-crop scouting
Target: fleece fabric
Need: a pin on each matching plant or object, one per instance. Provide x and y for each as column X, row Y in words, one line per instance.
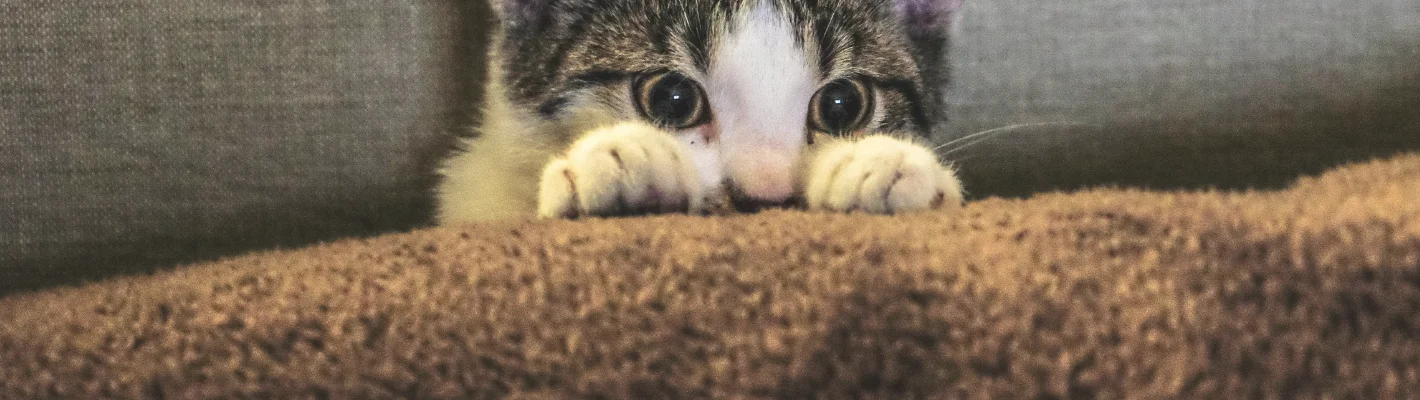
column 1310, row 291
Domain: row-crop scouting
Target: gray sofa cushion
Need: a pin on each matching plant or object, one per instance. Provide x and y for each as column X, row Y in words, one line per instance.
column 1182, row 93
column 140, row 133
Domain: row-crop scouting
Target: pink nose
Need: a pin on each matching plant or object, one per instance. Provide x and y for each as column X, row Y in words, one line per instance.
column 763, row 179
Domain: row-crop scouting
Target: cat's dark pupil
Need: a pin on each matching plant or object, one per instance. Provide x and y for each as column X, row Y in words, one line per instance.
column 673, row 100
column 840, row 105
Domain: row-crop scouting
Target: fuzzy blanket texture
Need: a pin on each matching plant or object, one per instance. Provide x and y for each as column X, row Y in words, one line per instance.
column 1312, row 291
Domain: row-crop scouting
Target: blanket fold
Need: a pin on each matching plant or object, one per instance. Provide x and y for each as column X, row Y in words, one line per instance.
column 1309, row 291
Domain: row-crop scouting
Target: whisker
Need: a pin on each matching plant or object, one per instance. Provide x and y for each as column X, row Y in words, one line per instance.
column 963, row 147
column 977, row 138
column 972, row 136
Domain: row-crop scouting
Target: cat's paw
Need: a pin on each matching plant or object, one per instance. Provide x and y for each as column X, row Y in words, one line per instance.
column 881, row 175
column 628, row 168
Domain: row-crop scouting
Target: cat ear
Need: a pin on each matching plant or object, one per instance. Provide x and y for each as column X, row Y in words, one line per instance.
column 521, row 12
column 929, row 17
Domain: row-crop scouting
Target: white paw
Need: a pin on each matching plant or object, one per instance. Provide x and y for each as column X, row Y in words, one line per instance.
column 880, row 175
column 623, row 169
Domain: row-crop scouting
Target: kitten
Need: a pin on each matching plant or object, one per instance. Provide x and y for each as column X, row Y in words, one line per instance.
column 610, row 107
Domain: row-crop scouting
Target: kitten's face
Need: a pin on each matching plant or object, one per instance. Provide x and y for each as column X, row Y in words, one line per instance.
column 747, row 84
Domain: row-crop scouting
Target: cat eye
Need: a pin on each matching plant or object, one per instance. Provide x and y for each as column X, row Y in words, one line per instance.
column 671, row 100
column 840, row 107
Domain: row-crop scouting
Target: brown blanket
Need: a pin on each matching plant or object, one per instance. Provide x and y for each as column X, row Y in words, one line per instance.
column 1310, row 291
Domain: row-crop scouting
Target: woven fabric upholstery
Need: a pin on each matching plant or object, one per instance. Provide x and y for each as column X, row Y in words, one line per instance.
column 138, row 133
column 1182, row 93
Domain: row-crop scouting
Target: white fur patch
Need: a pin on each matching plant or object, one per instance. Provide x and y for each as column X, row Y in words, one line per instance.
column 759, row 84
column 495, row 178
column 629, row 167
column 879, row 174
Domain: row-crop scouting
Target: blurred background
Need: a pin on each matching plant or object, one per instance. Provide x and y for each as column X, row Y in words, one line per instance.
column 141, row 134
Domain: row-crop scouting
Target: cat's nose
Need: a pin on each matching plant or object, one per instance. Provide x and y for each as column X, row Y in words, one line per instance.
column 763, row 179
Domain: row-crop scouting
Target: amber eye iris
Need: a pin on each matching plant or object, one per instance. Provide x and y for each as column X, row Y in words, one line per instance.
column 840, row 107
column 671, row 100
